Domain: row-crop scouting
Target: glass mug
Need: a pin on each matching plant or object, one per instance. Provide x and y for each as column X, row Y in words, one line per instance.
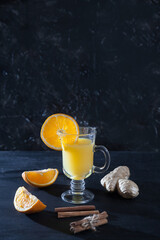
column 77, row 157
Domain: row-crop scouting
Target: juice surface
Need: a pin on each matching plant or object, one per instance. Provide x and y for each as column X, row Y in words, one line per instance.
column 78, row 159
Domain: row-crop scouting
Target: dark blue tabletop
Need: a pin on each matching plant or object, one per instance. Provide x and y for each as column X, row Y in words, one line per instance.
column 128, row 219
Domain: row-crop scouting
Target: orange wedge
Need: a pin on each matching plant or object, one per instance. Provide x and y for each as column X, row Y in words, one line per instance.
column 40, row 178
column 27, row 203
column 55, row 124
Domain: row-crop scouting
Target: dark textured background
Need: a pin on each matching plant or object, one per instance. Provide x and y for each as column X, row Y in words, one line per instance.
column 98, row 61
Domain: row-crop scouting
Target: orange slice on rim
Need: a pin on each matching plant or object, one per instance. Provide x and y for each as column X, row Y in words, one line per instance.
column 27, row 203
column 59, row 123
column 40, row 178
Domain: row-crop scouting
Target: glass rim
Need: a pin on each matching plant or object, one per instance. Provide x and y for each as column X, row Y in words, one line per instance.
column 93, row 131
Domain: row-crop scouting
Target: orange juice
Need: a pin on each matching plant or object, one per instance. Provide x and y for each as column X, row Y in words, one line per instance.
column 78, row 159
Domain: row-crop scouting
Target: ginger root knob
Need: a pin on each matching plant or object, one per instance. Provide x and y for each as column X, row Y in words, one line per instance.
column 127, row 188
column 110, row 180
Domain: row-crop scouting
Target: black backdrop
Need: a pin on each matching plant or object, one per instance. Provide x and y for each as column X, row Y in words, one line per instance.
column 98, row 61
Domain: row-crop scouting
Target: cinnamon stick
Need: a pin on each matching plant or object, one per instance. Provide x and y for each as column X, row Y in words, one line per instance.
column 80, row 228
column 76, row 208
column 77, row 213
column 100, row 216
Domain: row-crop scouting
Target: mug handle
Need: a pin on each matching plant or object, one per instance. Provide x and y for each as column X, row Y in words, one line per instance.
column 107, row 158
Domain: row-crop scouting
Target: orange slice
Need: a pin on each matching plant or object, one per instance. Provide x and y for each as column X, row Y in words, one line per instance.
column 27, row 203
column 40, row 178
column 55, row 124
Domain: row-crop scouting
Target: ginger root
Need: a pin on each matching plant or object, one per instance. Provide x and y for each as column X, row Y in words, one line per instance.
column 127, row 188
column 118, row 179
column 110, row 180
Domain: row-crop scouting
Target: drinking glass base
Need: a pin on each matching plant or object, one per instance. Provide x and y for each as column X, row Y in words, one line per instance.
column 85, row 197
